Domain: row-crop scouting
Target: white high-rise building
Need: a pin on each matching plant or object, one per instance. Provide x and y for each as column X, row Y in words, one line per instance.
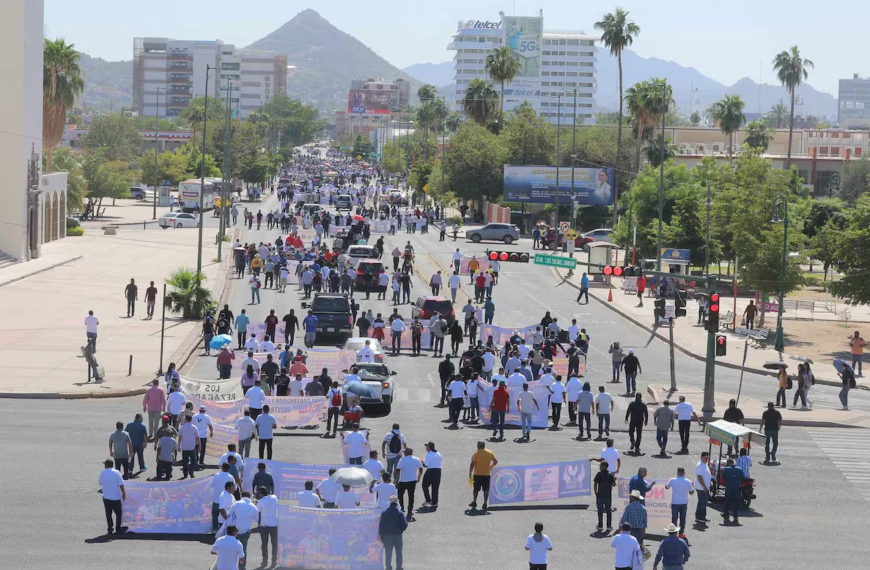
column 564, row 61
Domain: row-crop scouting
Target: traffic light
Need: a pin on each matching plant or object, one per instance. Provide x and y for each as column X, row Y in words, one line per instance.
column 632, row 271
column 614, row 270
column 659, row 308
column 721, row 346
column 680, row 304
column 713, row 313
column 510, row 256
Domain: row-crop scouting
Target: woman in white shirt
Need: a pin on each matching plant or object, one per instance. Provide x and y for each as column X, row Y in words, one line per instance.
column 432, row 476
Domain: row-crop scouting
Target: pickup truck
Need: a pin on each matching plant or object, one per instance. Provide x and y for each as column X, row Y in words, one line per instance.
column 380, row 379
column 334, row 317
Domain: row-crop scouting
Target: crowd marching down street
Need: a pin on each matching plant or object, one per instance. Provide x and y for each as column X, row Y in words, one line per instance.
column 492, row 376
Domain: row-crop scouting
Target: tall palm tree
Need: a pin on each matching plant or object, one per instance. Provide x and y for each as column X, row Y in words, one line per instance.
column 647, row 101
column 617, row 33
column 62, row 83
column 728, row 115
column 502, row 67
column 791, row 70
column 480, row 102
column 777, row 117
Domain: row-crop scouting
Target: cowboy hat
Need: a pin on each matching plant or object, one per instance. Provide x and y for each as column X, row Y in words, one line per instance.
column 672, row 529
column 636, row 495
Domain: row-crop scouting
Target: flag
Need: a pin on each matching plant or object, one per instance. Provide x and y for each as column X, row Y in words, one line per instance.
column 235, row 112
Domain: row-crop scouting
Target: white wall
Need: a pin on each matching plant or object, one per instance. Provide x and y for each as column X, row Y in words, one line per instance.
column 21, row 43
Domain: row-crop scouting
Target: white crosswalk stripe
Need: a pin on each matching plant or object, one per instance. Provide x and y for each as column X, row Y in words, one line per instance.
column 848, row 449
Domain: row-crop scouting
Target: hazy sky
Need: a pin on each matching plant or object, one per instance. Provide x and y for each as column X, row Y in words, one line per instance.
column 723, row 40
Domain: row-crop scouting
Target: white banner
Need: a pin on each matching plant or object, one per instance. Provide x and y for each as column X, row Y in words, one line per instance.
column 228, row 390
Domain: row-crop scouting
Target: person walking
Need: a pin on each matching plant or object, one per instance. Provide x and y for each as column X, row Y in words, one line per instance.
column 628, row 555
column 114, row 493
column 153, row 404
column 734, row 477
column 603, row 485
column 267, row 505
column 603, row 407
column 456, row 392
column 636, row 416
column 584, row 289
column 638, row 483
column 734, row 415
column 138, row 437
column 782, row 378
column 409, row 471
column 242, row 322
column 266, row 424
column 856, row 347
column 355, row 443
column 205, row 429
column 585, row 409
column 333, row 396
column 121, row 448
column 188, row 442
column 680, row 488
column 801, row 391
column 538, row 545
column 673, row 551
column 635, row 515
column 131, row 293
column 771, row 422
column 432, row 476
column 616, row 356
column 244, row 514
column 390, row 529
column 847, row 376
column 150, row 300
column 664, row 420
column 480, row 472
column 703, row 478
column 525, row 401
column 685, row 413
column 397, row 327
column 454, row 282
column 391, row 448
column 558, row 396
column 631, row 365
column 91, row 325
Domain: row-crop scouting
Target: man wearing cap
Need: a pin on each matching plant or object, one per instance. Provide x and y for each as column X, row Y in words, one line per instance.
column 390, row 529
column 628, row 554
column 673, row 551
column 225, row 362
column 635, row 515
column 631, row 366
column 202, row 423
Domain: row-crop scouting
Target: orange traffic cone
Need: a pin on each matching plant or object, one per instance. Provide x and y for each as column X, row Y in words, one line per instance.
column 610, row 296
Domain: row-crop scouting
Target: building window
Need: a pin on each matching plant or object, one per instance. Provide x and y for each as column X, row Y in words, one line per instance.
column 230, row 66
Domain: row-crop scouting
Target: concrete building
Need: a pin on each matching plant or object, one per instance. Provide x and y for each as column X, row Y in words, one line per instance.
column 164, row 140
column 400, row 91
column 566, row 62
column 168, row 73
column 854, row 98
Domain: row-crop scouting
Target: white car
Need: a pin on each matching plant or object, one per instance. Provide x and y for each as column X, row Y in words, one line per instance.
column 178, row 220
column 361, row 251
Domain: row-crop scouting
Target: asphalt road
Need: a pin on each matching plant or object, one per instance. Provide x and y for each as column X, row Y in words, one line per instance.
column 55, row 448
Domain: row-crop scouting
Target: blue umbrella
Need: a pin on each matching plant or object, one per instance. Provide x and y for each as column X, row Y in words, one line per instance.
column 219, row 340
column 359, row 389
column 839, row 365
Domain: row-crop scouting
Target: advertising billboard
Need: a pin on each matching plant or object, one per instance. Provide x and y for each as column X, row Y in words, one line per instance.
column 525, row 38
column 591, row 186
column 369, row 102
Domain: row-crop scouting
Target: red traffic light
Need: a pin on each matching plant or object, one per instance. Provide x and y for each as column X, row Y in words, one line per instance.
column 714, row 303
column 493, row 255
column 503, row 256
column 616, row 271
column 608, row 270
column 720, row 340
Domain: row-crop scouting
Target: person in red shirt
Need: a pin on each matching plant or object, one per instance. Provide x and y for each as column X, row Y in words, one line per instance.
column 271, row 324
column 501, row 405
column 479, row 287
column 225, row 362
column 641, row 285
column 298, row 367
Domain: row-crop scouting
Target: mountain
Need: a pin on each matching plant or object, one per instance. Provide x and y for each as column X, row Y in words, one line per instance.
column 326, row 60
column 434, row 73
column 683, row 79
column 108, row 84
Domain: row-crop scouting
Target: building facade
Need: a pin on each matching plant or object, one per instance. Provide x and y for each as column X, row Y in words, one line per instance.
column 854, row 102
column 564, row 60
column 399, row 91
column 168, row 74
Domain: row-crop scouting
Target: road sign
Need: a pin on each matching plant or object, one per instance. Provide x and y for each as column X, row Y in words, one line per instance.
column 564, row 227
column 571, row 235
column 555, row 261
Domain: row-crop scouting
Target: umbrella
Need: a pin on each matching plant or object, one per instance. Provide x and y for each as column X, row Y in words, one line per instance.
column 803, row 359
column 218, row 341
column 240, row 248
column 774, row 364
column 839, row 365
column 359, row 389
column 352, row 477
column 359, row 218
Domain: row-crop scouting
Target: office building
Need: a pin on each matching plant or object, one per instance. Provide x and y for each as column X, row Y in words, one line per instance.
column 397, row 93
column 854, row 97
column 168, row 73
column 558, row 62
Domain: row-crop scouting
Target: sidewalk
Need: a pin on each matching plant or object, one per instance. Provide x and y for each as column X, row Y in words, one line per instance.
column 44, row 303
column 125, row 212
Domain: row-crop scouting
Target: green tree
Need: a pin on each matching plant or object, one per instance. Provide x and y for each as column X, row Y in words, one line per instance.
column 452, row 122
column 289, row 121
column 420, row 174
column 856, row 180
column 758, row 134
column 189, row 298
column 603, row 118
column 695, row 119
column 646, row 102
column 62, row 84
column 853, row 250
column 66, row 161
column 105, row 179
column 687, row 227
column 778, row 117
column 528, row 138
column 791, row 70
column 480, row 102
column 728, row 116
column 659, row 149
column 502, row 67
column 194, row 115
column 167, row 166
column 475, row 163
column 824, row 246
column 115, row 135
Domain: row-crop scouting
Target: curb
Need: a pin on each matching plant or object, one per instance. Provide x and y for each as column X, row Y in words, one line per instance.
column 71, row 395
column 43, row 270
column 120, row 224
column 687, row 352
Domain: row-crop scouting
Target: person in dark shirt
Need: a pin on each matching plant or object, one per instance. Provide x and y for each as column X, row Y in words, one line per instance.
column 207, row 334
column 263, row 479
column 390, row 529
column 446, row 369
column 604, row 483
column 223, row 326
column 227, row 314
column 291, row 325
column 466, row 371
column 636, row 416
column 271, row 325
column 282, row 382
column 631, row 366
column 270, row 369
column 771, row 420
column 325, row 380
column 477, row 362
column 734, row 415
column 733, row 485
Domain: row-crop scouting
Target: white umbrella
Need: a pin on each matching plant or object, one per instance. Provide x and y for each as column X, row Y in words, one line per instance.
column 352, row 477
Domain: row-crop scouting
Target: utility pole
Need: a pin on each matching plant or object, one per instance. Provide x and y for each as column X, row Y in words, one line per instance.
column 443, row 147
column 671, row 342
column 558, row 153
column 709, row 204
column 710, row 369
column 156, row 148
column 225, row 172
column 573, row 161
column 208, row 68
column 662, row 180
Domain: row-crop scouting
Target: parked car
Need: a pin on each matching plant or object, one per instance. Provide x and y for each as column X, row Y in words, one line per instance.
column 178, row 220
column 343, row 202
column 508, row 233
column 426, row 306
column 356, row 343
column 137, row 193
column 376, row 266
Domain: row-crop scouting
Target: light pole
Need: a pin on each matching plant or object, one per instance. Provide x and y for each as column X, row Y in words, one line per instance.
column 208, row 68
column 558, row 153
column 156, row 145
column 709, row 205
column 573, row 161
column 780, row 204
column 662, row 178
column 226, row 175
column 443, row 147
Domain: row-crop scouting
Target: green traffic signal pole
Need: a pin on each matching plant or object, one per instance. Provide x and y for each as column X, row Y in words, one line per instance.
column 781, row 203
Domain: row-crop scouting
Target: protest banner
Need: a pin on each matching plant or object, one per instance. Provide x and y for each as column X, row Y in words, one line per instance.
column 316, row 359
column 329, row 539
column 344, row 447
column 560, row 367
column 298, row 411
column 544, row 482
column 380, row 226
column 221, row 390
column 657, row 502
column 290, row 478
column 463, row 263
column 225, row 413
column 502, row 334
column 174, row 507
column 539, row 415
column 217, row 442
column 407, row 340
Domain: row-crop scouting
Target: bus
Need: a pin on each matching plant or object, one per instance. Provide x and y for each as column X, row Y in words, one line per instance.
column 188, row 194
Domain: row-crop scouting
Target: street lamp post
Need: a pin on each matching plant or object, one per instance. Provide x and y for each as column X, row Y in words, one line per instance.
column 709, row 204
column 156, row 145
column 558, row 153
column 780, row 203
column 208, row 68
column 226, row 175
column 662, row 179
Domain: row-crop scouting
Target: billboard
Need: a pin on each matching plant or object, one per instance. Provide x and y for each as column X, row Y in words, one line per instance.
column 591, row 186
column 525, row 38
column 369, row 102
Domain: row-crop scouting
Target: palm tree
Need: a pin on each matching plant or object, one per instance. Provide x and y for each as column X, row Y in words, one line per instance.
column 657, row 149
column 617, row 33
column 188, row 296
column 791, row 69
column 62, row 83
column 728, row 115
column 647, row 101
column 480, row 102
column 695, row 119
column 758, row 135
column 452, row 122
column 502, row 67
column 65, row 161
column 777, row 117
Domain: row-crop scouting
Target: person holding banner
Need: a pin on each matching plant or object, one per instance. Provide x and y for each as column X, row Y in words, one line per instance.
column 114, row 493
column 230, row 552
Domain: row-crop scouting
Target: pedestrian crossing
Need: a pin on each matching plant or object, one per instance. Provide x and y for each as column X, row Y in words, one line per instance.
column 848, row 449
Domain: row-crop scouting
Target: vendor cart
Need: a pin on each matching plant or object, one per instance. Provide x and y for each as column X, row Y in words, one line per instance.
column 723, row 433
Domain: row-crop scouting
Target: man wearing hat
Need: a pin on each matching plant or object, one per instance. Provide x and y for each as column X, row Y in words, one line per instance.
column 390, row 529
column 635, row 515
column 205, row 429
column 631, row 366
column 225, row 362
column 673, row 550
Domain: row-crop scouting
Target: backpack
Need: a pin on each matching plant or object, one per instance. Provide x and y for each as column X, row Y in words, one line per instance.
column 395, row 445
column 852, row 383
column 788, row 384
column 336, row 399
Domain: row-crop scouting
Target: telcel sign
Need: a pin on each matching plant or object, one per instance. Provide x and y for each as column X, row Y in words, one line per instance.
column 479, row 24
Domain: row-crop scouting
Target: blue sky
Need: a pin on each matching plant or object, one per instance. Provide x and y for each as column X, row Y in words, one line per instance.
column 723, row 40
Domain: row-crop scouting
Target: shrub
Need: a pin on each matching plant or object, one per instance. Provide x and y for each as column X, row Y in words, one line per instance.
column 189, row 298
column 72, row 223
column 77, row 231
column 456, row 220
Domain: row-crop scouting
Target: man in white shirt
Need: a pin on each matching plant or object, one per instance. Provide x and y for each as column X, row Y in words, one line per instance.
column 366, row 354
column 175, row 405
column 252, row 345
column 409, row 470
column 251, row 361
column 226, row 500
column 456, row 391
column 347, row 499
column 308, row 498
column 383, row 283
column 91, row 324
column 218, row 484
column 572, row 392
column 391, row 448
column 203, row 425
column 557, row 398
column 685, row 413
column 611, row 456
column 457, row 260
column 295, row 387
column 489, row 361
column 256, row 400
column 383, row 490
column 268, row 506
column 603, row 407
column 538, row 545
column 246, row 427
column 628, row 553
column 455, row 283
column 112, row 483
column 328, row 491
column 266, row 424
column 243, row 514
column 373, row 466
column 573, row 331
column 231, row 452
column 516, row 380
column 267, row 346
column 397, row 327
column 229, row 550
column 524, row 350
column 355, row 442
column 525, row 403
column 681, row 488
column 703, row 477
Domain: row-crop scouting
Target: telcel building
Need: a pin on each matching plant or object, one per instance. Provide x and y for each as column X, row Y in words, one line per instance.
column 552, row 62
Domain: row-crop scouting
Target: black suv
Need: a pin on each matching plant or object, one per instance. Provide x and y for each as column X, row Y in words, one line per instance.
column 334, row 317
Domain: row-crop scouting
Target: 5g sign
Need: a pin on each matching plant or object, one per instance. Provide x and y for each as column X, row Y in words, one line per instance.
column 528, row 46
